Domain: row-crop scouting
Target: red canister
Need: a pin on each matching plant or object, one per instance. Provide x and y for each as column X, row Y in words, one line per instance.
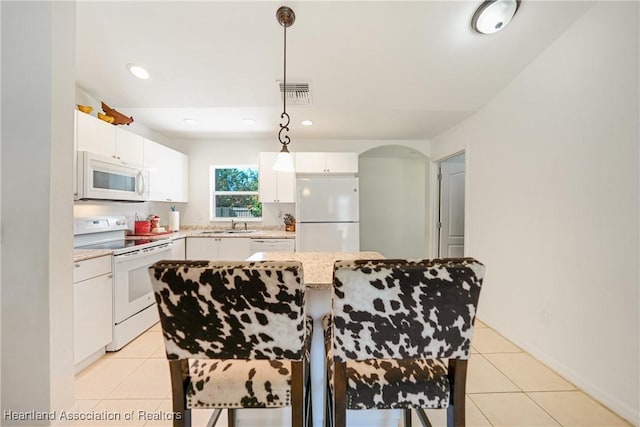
column 142, row 227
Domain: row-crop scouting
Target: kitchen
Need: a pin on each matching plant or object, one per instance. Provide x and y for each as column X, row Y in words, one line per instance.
column 44, row 234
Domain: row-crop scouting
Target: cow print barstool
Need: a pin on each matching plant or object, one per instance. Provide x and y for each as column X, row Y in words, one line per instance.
column 393, row 325
column 236, row 336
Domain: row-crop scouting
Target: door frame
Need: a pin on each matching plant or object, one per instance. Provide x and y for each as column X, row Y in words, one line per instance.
column 435, row 200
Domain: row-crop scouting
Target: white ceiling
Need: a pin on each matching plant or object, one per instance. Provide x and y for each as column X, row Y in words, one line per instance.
column 378, row 70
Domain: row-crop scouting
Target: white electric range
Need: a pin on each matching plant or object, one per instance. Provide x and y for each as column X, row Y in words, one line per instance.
column 134, row 307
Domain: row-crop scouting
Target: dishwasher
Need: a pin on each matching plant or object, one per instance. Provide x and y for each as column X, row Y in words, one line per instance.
column 272, row 245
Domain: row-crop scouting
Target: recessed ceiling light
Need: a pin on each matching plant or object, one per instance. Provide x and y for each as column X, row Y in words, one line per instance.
column 190, row 121
column 138, row 71
column 307, row 122
column 249, row 122
column 494, row 15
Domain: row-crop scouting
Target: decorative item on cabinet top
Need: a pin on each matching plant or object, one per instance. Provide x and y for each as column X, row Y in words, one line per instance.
column 118, row 117
column 105, row 118
column 85, row 108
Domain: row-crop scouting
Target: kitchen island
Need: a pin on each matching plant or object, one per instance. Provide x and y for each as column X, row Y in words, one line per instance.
column 318, row 278
column 317, row 266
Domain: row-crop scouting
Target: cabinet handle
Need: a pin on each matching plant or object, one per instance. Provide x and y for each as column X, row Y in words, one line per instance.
column 110, row 276
column 76, row 265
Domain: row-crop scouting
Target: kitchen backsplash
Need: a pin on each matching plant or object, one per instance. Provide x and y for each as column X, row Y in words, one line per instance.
column 272, row 213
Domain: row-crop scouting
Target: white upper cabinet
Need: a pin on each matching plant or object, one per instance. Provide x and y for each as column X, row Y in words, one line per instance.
column 168, row 173
column 105, row 139
column 323, row 163
column 95, row 135
column 274, row 186
column 129, row 147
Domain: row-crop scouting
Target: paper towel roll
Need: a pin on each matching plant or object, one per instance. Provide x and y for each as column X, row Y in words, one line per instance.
column 174, row 220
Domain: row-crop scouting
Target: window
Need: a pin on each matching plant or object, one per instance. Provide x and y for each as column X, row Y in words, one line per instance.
column 234, row 193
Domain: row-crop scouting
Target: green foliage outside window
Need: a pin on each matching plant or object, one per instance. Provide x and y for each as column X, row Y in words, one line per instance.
column 235, row 191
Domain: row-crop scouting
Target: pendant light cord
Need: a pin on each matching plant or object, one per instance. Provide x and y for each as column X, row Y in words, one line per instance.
column 284, row 127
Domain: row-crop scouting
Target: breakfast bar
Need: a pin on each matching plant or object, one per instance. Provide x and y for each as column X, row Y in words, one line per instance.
column 318, row 279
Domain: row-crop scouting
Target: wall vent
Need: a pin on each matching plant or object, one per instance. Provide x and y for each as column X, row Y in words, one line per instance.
column 296, row 93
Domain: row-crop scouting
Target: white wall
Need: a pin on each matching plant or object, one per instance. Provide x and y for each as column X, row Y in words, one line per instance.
column 393, row 198
column 552, row 205
column 37, row 147
column 203, row 153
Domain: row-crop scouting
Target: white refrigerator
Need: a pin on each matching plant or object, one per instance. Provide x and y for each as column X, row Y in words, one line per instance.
column 327, row 214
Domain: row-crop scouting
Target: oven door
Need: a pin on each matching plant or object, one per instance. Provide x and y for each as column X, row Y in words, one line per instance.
column 132, row 291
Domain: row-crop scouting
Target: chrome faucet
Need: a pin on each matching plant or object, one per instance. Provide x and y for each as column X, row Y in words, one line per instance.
column 233, row 225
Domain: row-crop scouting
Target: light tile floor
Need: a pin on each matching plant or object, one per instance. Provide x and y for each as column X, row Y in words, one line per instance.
column 505, row 387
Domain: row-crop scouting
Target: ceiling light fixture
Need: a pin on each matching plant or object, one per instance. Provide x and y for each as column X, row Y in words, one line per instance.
column 284, row 161
column 493, row 15
column 138, row 71
column 307, row 123
column 190, row 121
column 249, row 122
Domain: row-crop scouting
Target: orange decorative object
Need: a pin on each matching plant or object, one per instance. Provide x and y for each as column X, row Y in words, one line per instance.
column 105, row 118
column 118, row 117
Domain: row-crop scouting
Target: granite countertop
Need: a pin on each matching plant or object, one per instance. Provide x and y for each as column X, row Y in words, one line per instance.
column 84, row 254
column 317, row 266
column 258, row 234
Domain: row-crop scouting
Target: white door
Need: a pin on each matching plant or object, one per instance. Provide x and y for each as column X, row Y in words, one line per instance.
column 452, row 208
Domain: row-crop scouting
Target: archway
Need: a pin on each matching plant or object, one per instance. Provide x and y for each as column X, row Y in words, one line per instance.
column 394, row 187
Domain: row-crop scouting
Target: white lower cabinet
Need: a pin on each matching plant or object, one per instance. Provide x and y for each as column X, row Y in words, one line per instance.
column 272, row 245
column 218, row 248
column 179, row 249
column 93, row 307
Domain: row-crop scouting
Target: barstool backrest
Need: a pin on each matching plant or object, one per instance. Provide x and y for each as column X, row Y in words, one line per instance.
column 230, row 309
column 405, row 309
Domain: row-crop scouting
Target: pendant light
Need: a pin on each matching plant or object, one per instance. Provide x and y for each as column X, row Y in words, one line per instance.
column 493, row 15
column 284, row 161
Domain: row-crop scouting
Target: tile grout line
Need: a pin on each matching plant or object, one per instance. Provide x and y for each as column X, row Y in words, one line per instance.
column 522, row 391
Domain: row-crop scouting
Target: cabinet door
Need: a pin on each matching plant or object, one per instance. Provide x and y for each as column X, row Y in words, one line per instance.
column 129, row 147
column 286, row 187
column 93, row 315
column 202, row 248
column 267, row 179
column 178, row 250
column 181, row 170
column 342, row 162
column 156, row 161
column 234, row 249
column 95, row 135
column 168, row 170
column 310, row 162
column 278, row 187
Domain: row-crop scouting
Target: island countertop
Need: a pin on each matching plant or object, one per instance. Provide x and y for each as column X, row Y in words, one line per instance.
column 317, row 266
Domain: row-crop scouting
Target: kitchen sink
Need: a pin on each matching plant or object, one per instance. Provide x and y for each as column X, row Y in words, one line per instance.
column 228, row 231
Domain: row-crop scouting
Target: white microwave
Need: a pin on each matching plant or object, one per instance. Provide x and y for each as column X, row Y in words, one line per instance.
column 101, row 178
